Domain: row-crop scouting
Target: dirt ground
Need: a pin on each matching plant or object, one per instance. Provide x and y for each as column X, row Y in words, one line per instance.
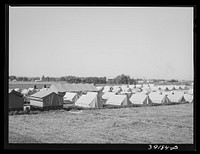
column 171, row 124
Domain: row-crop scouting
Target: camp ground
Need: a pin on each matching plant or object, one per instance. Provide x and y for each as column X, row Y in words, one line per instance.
column 140, row 99
column 159, row 98
column 90, row 100
column 16, row 100
column 118, row 100
column 46, row 99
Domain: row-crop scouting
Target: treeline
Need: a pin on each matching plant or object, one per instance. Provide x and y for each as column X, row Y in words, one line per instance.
column 32, row 78
column 121, row 79
column 74, row 79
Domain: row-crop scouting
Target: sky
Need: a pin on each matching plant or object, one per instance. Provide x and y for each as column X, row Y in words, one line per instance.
column 143, row 42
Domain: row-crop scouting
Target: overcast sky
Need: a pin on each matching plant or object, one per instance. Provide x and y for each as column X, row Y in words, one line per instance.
column 148, row 42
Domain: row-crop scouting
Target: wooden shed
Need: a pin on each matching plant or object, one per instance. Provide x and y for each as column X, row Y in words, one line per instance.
column 46, row 99
column 16, row 101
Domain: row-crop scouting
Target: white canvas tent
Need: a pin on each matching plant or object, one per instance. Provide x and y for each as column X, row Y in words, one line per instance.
column 107, row 95
column 140, row 99
column 24, row 92
column 119, row 100
column 18, row 90
column 99, row 88
column 90, row 100
column 176, row 86
column 70, row 97
column 158, row 98
column 116, row 89
column 106, row 89
column 132, row 86
column 177, row 98
column 176, row 92
column 190, row 91
column 188, row 98
column 136, row 90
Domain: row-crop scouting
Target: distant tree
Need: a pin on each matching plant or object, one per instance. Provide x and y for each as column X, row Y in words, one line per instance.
column 122, row 79
column 47, row 78
column 12, row 77
column 173, row 80
column 62, row 78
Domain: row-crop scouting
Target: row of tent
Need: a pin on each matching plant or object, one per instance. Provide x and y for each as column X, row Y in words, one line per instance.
column 87, row 95
column 46, row 97
column 136, row 88
column 140, row 98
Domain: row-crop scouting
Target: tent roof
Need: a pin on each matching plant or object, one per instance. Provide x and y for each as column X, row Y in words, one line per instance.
column 156, row 96
column 108, row 95
column 138, row 97
column 188, row 97
column 175, row 97
column 42, row 94
column 70, row 95
column 86, row 99
column 116, row 99
column 14, row 92
column 66, row 87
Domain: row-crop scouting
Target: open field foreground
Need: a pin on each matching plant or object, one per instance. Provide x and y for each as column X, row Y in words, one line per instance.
column 135, row 125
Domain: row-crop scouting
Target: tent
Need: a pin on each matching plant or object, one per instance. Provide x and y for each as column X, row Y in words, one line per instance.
column 15, row 99
column 25, row 92
column 128, row 94
column 140, row 99
column 99, row 88
column 70, row 97
column 136, row 90
column 18, row 90
column 31, row 91
column 119, row 100
column 90, row 100
column 176, row 87
column 159, row 98
column 177, row 98
column 138, row 86
column 116, row 89
column 45, row 99
column 177, row 92
column 106, row 89
column 166, row 89
column 190, row 91
column 188, row 98
column 43, row 89
column 107, row 95
column 132, row 86
column 146, row 91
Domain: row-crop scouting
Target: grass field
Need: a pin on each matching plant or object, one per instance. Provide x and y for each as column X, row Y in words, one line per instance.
column 135, row 125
